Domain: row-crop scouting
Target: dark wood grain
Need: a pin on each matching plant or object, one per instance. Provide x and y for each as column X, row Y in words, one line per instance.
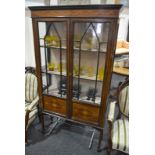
column 76, row 13
column 84, row 112
column 55, row 104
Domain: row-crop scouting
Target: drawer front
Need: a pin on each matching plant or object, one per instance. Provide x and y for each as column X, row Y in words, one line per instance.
column 55, row 105
column 85, row 112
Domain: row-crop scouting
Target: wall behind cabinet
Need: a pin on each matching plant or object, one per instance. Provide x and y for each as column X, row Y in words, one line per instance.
column 29, row 46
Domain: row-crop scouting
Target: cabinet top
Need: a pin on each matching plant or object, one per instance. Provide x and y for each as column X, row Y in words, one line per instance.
column 70, row 7
column 75, row 11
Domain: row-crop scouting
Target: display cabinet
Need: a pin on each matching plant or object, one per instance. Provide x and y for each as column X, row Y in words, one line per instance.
column 74, row 52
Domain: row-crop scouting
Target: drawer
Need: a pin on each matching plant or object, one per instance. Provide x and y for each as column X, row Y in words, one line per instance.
column 54, row 104
column 85, row 112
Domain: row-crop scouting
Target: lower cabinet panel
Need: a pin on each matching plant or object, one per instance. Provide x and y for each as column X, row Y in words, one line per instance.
column 55, row 105
column 85, row 113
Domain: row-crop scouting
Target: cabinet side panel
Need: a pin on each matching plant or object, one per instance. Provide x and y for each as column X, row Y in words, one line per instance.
column 109, row 69
column 37, row 58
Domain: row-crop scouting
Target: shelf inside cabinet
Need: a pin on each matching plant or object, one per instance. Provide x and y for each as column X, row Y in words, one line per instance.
column 75, row 49
column 54, row 72
column 103, row 50
column 53, row 91
column 120, row 51
column 84, row 100
column 121, row 70
column 53, row 47
column 85, row 77
column 93, row 78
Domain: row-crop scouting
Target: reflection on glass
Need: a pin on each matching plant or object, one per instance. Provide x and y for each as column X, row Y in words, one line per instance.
column 53, row 58
column 90, row 46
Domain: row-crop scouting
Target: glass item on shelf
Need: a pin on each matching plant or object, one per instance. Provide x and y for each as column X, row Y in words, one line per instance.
column 122, row 44
column 52, row 40
column 77, row 38
column 90, row 71
column 62, row 86
column 122, row 61
column 51, row 66
column 89, row 42
column 76, row 92
column 76, row 70
column 91, row 94
column 101, row 73
column 59, row 68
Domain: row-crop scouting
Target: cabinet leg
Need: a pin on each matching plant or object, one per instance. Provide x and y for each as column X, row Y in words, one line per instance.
column 108, row 152
column 41, row 118
column 100, row 140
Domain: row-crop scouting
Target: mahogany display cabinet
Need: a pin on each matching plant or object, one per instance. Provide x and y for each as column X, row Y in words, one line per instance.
column 74, row 52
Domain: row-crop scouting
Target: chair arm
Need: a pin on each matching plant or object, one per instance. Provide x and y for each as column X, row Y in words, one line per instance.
column 26, row 118
column 33, row 104
column 111, row 112
column 110, row 118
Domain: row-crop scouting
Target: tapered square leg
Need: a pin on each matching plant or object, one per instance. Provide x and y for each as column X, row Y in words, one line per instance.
column 100, row 140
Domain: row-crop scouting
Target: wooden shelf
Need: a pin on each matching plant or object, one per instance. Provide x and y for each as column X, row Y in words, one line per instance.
column 85, row 77
column 54, row 47
column 120, row 51
column 55, row 72
column 75, row 49
column 121, row 71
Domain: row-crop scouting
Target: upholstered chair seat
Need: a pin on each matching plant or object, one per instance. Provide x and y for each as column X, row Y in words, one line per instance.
column 119, row 126
column 31, row 100
column 120, row 135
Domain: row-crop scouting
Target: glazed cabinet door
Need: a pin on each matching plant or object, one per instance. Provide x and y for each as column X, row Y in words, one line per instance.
column 53, row 58
column 89, row 52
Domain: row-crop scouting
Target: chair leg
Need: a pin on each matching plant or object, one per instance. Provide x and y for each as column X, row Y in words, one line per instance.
column 109, row 148
column 108, row 152
column 110, row 139
column 39, row 117
column 26, row 123
column 26, row 136
column 42, row 121
column 100, row 140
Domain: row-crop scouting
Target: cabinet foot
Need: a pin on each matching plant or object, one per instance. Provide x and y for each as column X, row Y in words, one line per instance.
column 100, row 140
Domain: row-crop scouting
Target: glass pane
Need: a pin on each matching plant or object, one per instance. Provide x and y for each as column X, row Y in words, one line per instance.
column 53, row 58
column 90, row 47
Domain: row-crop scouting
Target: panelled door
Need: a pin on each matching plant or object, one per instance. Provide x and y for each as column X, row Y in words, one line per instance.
column 53, row 39
column 89, row 53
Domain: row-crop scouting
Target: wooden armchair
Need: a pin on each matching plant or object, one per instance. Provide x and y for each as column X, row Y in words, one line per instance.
column 119, row 128
column 31, row 100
